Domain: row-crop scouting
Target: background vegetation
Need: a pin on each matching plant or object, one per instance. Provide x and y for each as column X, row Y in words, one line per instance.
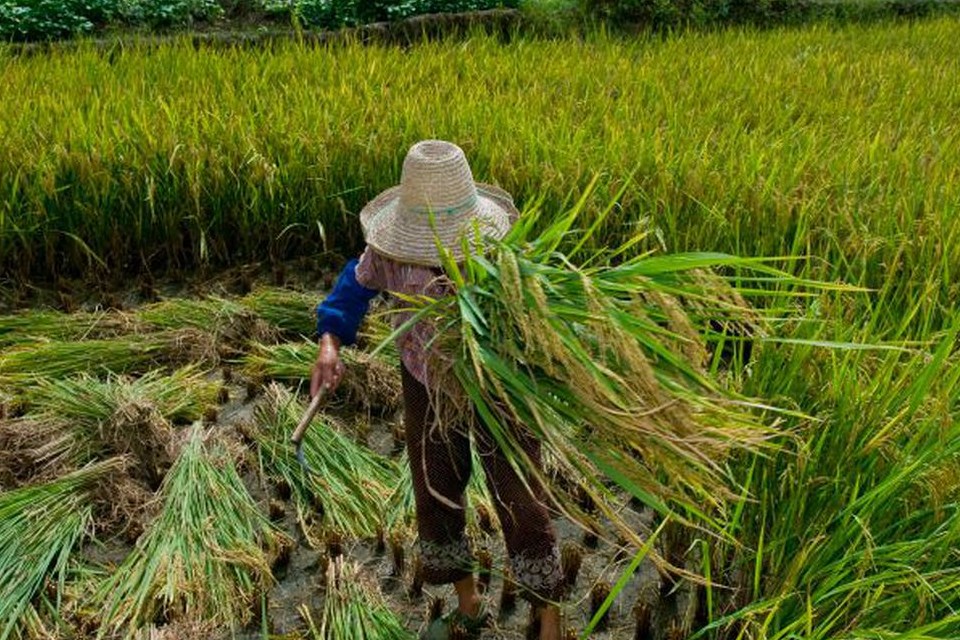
column 834, row 148
column 834, row 143
column 46, row 19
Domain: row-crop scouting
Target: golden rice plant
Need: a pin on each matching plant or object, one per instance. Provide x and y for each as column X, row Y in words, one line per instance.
column 594, row 354
column 804, row 146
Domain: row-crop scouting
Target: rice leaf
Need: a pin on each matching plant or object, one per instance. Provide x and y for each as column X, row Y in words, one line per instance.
column 349, row 484
column 40, row 527
column 206, row 557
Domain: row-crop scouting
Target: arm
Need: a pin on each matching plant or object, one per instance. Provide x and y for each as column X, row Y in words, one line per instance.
column 338, row 318
column 343, row 310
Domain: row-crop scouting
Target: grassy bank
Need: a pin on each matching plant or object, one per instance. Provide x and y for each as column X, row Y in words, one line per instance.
column 838, row 143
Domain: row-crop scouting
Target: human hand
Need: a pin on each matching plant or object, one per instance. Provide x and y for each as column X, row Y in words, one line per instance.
column 328, row 369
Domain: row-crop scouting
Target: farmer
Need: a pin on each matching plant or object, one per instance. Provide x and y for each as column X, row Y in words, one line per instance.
column 438, row 201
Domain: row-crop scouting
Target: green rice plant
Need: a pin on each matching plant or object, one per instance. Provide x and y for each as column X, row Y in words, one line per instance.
column 802, row 145
column 369, row 383
column 292, row 312
column 31, row 326
column 854, row 533
column 23, row 365
column 206, row 556
column 593, row 354
column 347, row 485
column 40, row 527
column 353, row 608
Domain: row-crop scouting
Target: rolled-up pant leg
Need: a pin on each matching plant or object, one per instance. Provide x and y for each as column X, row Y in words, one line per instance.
column 440, row 467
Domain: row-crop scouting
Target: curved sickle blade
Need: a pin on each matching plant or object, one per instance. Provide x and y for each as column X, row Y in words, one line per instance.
column 298, row 433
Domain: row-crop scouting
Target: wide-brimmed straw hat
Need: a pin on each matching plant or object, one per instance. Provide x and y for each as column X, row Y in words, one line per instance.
column 437, row 200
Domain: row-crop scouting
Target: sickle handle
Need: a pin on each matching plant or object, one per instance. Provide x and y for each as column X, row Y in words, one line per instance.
column 308, row 416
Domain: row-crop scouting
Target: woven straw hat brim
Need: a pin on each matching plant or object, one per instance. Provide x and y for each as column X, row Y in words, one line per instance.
column 413, row 239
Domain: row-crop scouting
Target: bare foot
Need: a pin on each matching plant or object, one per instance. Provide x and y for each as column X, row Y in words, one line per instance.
column 468, row 598
column 550, row 623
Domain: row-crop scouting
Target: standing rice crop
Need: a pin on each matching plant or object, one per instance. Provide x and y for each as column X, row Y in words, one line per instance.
column 775, row 142
column 40, row 527
column 206, row 556
column 353, row 608
column 348, row 484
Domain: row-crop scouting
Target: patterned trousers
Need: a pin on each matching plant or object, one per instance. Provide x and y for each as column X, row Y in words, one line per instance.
column 440, row 462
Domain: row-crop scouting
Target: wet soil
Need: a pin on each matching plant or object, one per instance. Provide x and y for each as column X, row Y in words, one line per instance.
column 299, row 582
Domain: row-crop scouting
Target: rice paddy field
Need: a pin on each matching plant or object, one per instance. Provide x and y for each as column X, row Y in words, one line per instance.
column 170, row 215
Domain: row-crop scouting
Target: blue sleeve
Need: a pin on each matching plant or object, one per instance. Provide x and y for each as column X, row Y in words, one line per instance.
column 343, row 310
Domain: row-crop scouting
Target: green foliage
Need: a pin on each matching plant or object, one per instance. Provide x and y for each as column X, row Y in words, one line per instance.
column 163, row 13
column 51, row 19
column 336, row 13
column 673, row 13
column 39, row 19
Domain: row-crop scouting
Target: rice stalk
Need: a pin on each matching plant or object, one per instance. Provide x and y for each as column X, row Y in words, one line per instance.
column 181, row 396
column 369, row 383
column 353, row 608
column 291, row 312
column 231, row 324
column 592, row 354
column 40, row 527
column 34, row 326
column 23, row 365
column 349, row 484
column 34, row 449
column 206, row 557
column 79, row 419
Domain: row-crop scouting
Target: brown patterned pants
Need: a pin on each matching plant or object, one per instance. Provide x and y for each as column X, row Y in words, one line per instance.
column 440, row 464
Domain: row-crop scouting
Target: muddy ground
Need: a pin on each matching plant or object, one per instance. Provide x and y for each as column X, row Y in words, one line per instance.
column 671, row 607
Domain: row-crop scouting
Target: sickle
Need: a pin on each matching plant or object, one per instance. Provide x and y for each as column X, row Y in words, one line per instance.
column 298, row 433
